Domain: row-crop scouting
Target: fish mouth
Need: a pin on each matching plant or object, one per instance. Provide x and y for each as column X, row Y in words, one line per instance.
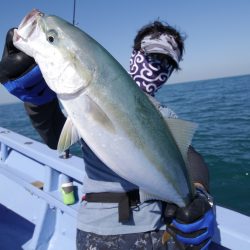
column 27, row 26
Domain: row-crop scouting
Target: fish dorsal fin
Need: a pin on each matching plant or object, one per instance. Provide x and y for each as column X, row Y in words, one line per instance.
column 154, row 101
column 68, row 137
column 182, row 132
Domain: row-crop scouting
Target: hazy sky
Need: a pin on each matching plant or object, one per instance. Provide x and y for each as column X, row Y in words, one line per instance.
column 218, row 32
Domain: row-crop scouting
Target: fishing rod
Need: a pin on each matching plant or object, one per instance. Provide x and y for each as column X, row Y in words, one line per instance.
column 74, row 12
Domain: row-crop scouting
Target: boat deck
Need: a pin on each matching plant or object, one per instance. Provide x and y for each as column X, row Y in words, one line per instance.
column 15, row 231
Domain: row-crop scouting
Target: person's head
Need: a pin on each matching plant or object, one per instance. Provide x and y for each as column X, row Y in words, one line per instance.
column 157, row 50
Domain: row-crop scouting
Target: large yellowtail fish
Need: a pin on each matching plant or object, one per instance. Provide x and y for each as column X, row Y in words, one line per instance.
column 108, row 110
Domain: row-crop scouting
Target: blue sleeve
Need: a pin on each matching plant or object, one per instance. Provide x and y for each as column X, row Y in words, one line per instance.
column 31, row 88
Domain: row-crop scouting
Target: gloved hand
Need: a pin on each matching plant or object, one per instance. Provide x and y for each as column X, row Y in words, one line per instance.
column 21, row 76
column 193, row 225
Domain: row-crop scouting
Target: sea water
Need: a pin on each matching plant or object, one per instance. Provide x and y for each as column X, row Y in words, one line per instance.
column 221, row 108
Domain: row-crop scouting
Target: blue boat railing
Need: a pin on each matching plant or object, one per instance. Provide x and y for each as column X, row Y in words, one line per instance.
column 31, row 176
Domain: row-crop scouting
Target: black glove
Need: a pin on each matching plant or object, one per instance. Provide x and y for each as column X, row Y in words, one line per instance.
column 21, row 76
column 192, row 225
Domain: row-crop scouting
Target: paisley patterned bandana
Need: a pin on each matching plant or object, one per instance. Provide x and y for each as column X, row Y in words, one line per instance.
column 148, row 72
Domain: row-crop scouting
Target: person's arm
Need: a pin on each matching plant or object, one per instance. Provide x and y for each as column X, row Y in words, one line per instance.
column 192, row 225
column 48, row 120
column 198, row 168
column 21, row 76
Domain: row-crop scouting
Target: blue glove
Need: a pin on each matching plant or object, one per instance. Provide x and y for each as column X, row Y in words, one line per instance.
column 193, row 225
column 21, row 76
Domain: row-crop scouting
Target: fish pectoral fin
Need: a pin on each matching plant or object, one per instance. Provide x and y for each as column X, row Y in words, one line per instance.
column 93, row 110
column 68, row 137
column 182, row 132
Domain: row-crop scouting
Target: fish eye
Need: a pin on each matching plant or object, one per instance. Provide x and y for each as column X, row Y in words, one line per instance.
column 51, row 39
column 51, row 36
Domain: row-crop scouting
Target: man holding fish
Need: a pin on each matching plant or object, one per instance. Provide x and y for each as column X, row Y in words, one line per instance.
column 141, row 172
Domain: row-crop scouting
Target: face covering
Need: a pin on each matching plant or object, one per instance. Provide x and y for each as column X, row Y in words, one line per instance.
column 148, row 72
column 148, row 67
